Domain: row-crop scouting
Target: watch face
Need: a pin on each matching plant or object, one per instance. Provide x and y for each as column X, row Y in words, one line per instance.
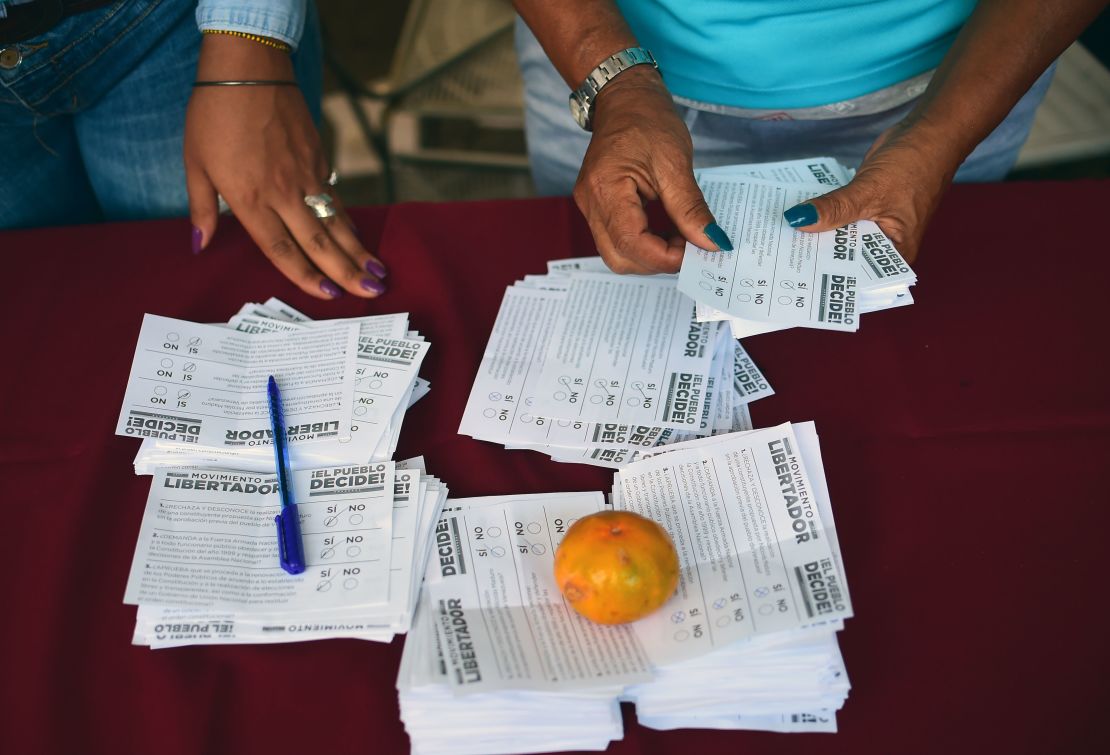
column 580, row 113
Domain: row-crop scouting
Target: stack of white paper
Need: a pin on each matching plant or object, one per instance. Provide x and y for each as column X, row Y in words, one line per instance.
column 206, row 568
column 759, row 684
column 748, row 641
column 596, row 368
column 197, row 393
column 519, row 721
column 778, row 277
column 752, row 511
column 496, row 662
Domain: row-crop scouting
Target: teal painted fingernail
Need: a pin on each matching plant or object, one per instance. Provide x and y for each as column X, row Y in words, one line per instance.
column 717, row 235
column 801, row 215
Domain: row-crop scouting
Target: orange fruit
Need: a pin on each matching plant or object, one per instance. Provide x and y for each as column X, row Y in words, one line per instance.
column 616, row 566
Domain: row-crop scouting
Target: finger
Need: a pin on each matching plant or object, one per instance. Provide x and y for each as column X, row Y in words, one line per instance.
column 272, row 237
column 686, row 207
column 856, row 201
column 616, row 262
column 618, row 209
column 678, row 244
column 315, row 238
column 906, row 243
column 833, row 210
column 346, row 235
column 627, row 226
column 203, row 209
column 909, row 252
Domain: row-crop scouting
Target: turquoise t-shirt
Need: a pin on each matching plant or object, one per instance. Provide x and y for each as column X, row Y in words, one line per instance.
column 768, row 54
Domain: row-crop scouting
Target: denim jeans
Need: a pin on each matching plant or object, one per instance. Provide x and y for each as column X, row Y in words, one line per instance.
column 556, row 145
column 92, row 119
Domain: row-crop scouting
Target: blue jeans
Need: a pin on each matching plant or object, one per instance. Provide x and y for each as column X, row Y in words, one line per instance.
column 556, row 145
column 92, row 120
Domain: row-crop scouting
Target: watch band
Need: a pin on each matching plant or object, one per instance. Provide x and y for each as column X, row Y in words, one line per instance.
column 582, row 98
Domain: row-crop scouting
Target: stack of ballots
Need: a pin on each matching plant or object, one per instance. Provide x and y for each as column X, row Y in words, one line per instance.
column 596, row 368
column 196, row 394
column 495, row 662
column 206, row 567
column 748, row 640
column 777, row 277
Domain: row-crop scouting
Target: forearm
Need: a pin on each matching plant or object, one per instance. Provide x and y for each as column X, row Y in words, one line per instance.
column 226, row 57
column 1002, row 49
column 576, row 34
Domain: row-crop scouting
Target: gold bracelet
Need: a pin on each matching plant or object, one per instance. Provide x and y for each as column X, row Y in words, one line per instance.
column 276, row 44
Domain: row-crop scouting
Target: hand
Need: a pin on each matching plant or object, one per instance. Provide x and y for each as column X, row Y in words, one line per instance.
column 641, row 151
column 899, row 185
column 258, row 148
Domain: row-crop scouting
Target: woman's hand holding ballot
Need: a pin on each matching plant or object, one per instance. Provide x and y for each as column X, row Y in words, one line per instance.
column 999, row 53
column 641, row 149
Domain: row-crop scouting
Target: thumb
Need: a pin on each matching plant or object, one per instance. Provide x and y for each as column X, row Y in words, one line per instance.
column 686, row 207
column 203, row 207
column 833, row 210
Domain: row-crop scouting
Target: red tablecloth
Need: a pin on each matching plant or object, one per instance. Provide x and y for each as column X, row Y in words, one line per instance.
column 966, row 442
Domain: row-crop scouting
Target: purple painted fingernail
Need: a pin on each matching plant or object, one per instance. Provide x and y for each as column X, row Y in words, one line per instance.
column 198, row 237
column 329, row 288
column 376, row 286
column 376, row 268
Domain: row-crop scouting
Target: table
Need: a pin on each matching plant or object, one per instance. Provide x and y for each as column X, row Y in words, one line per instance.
column 966, row 441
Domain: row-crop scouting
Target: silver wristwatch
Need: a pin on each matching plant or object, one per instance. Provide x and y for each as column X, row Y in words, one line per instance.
column 582, row 98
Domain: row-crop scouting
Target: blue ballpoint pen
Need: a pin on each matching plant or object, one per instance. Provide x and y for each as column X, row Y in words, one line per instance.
column 290, row 547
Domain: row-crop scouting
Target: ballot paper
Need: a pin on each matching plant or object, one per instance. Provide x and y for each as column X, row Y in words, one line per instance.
column 208, row 539
column 748, row 380
column 748, row 641
column 206, row 572
column 387, row 367
column 755, row 554
column 771, row 676
column 776, row 273
column 258, row 318
column 205, row 569
column 823, row 721
column 767, row 676
column 490, row 723
column 826, row 171
column 498, row 614
column 206, row 385
column 778, row 277
column 625, row 349
column 506, row 402
column 383, row 385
